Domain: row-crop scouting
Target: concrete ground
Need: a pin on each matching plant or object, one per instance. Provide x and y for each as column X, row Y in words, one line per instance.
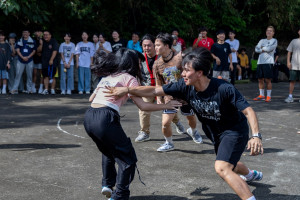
column 46, row 154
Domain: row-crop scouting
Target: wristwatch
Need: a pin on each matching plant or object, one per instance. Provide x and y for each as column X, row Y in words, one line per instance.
column 257, row 135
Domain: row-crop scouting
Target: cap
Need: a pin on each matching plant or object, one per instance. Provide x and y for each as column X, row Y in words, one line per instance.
column 220, row 32
column 12, row 35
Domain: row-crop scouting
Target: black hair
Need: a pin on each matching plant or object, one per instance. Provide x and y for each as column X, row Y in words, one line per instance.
column 103, row 35
column 136, row 33
column 220, row 31
column 2, row 33
column 148, row 37
column 200, row 58
column 175, row 29
column 243, row 49
column 67, row 34
column 84, row 32
column 232, row 31
column 115, row 30
column 95, row 34
column 166, row 38
column 124, row 60
column 47, row 31
column 203, row 28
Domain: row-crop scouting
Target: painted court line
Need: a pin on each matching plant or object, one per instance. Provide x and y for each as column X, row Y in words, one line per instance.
column 59, row 128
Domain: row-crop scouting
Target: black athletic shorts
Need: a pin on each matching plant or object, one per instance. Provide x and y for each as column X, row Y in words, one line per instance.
column 265, row 71
column 231, row 145
column 49, row 71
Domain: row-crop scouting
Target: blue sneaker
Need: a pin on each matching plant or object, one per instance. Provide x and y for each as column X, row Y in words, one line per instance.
column 106, row 191
column 166, row 147
column 196, row 136
column 257, row 176
column 179, row 128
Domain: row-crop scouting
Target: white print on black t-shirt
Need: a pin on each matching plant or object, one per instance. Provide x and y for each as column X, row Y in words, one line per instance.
column 208, row 110
column 225, row 50
column 85, row 49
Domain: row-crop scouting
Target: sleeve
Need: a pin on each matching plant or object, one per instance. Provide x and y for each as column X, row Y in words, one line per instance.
column 108, row 47
column 176, row 89
column 128, row 45
column 229, row 49
column 73, row 48
column 92, row 49
column 272, row 47
column 55, row 46
column 236, row 45
column 234, row 97
column 213, row 50
column 290, row 47
column 61, row 48
column 77, row 48
column 258, row 47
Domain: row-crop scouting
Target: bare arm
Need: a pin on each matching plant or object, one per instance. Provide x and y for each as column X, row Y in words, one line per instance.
column 52, row 57
column 289, row 65
column 77, row 59
column 230, row 61
column 218, row 61
column 255, row 144
column 146, row 106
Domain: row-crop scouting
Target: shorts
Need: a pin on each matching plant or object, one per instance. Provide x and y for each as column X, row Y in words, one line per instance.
column 3, row 74
column 265, row 71
column 294, row 75
column 37, row 66
column 50, row 71
column 225, row 74
column 231, row 146
column 186, row 110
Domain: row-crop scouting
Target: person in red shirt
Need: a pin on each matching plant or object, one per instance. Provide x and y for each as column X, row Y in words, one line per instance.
column 203, row 40
column 179, row 40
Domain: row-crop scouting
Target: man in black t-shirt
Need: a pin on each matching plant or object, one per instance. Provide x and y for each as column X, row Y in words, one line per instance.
column 223, row 112
column 49, row 48
column 117, row 43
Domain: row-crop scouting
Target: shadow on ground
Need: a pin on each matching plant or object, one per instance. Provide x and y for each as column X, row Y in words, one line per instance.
column 35, row 146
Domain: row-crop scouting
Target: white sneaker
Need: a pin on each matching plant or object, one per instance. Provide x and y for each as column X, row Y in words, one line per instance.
column 142, row 137
column 166, row 147
column 106, row 191
column 40, row 90
column 45, row 92
column 179, row 128
column 63, row 92
column 289, row 100
column 33, row 89
column 196, row 136
column 69, row 92
column 3, row 91
column 80, row 92
column 52, row 91
column 88, row 92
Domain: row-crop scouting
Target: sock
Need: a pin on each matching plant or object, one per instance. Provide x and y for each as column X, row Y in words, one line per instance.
column 41, row 86
column 169, row 139
column 251, row 198
column 240, row 77
column 4, row 87
column 249, row 175
column 194, row 130
column 290, row 95
column 262, row 92
column 269, row 93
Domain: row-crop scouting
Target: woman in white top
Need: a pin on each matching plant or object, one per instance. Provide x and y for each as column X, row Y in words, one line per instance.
column 102, row 119
column 67, row 50
column 103, row 45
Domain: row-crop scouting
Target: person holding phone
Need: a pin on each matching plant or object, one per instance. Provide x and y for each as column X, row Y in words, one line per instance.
column 203, row 40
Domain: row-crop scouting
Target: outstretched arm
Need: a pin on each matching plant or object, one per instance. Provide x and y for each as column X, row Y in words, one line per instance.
column 146, row 106
column 141, row 91
column 255, row 144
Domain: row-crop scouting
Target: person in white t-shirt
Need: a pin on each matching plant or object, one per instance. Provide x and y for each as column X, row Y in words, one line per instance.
column 103, row 45
column 294, row 65
column 95, row 78
column 84, row 58
column 67, row 50
column 234, row 46
column 266, row 49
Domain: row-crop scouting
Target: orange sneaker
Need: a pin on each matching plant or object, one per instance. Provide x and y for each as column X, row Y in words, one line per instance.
column 259, row 98
column 268, row 99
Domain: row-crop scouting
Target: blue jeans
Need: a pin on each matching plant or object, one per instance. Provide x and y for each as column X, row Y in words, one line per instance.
column 69, row 75
column 84, row 79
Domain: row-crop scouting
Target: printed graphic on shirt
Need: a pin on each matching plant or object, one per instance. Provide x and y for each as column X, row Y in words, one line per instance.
column 67, row 51
column 208, row 110
column 171, row 74
column 85, row 49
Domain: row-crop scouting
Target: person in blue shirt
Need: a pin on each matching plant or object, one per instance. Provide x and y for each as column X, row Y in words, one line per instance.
column 223, row 112
column 134, row 44
column 26, row 48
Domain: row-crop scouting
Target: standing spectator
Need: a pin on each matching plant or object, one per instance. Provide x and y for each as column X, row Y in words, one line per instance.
column 176, row 46
column 67, row 50
column 294, row 66
column 117, row 43
column 84, row 58
column 103, row 45
column 13, row 62
column 95, row 78
column 234, row 46
column 244, row 63
column 179, row 39
column 37, row 65
column 203, row 40
column 5, row 56
column 221, row 52
column 265, row 48
column 49, row 48
column 134, row 44
column 26, row 48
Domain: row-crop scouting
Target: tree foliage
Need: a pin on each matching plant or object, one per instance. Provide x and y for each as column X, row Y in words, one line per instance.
column 248, row 18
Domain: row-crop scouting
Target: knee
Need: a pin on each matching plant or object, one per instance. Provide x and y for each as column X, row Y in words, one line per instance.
column 222, row 169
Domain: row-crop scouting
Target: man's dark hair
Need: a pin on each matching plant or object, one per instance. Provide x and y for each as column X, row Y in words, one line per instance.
column 67, row 34
column 200, row 59
column 232, row 31
column 148, row 37
column 136, row 33
column 103, row 35
column 47, row 31
column 243, row 49
column 175, row 29
column 2, row 33
column 203, row 28
column 166, row 38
